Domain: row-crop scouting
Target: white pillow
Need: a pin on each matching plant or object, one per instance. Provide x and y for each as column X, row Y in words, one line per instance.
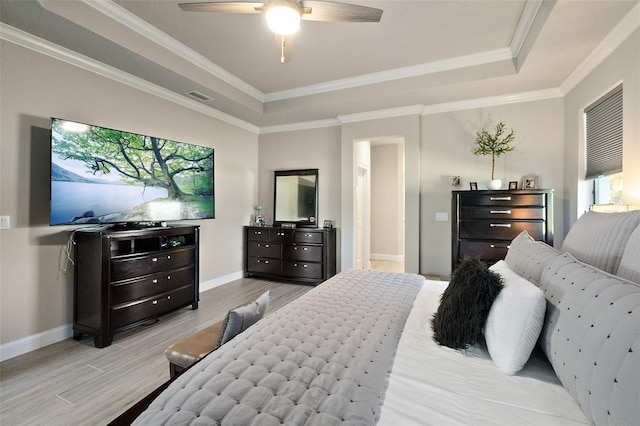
column 515, row 320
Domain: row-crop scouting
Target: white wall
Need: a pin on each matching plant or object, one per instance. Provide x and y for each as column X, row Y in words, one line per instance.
column 35, row 295
column 387, row 201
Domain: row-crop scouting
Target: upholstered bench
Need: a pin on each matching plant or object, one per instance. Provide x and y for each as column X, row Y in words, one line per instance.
column 191, row 349
column 186, row 352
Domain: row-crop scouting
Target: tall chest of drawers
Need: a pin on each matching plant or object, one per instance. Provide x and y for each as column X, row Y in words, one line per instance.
column 484, row 222
column 126, row 277
column 301, row 255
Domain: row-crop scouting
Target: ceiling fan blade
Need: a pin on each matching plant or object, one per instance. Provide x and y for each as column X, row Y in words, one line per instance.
column 339, row 12
column 223, row 7
column 285, row 47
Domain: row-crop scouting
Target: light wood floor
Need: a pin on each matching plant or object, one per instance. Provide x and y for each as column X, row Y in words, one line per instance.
column 73, row 383
column 386, row 265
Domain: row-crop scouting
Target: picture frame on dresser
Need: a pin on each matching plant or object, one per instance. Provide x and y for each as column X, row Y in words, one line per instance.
column 513, row 185
column 530, row 182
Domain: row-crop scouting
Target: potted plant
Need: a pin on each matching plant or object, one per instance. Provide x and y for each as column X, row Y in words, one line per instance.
column 495, row 145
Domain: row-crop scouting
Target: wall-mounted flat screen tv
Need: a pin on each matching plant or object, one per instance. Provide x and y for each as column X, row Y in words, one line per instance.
column 101, row 175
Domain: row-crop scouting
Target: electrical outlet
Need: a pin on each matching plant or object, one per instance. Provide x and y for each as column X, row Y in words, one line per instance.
column 442, row 217
column 5, row 223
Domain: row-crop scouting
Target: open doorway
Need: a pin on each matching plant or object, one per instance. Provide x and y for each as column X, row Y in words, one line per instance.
column 380, row 204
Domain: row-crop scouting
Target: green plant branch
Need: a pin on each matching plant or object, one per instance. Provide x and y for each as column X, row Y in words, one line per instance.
column 494, row 144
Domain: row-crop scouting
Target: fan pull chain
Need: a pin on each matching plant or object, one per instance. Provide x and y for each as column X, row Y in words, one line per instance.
column 282, row 48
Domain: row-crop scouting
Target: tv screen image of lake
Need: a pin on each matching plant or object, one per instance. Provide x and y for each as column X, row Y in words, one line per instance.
column 82, row 202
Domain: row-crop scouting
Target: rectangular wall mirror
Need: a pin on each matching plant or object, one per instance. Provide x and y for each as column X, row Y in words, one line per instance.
column 296, row 198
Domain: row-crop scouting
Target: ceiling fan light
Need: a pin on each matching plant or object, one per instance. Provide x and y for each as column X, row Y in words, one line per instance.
column 283, row 20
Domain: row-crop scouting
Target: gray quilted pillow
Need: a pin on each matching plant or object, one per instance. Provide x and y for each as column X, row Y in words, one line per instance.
column 599, row 239
column 527, row 257
column 630, row 263
column 592, row 338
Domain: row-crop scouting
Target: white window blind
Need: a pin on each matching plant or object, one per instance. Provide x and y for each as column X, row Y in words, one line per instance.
column 603, row 134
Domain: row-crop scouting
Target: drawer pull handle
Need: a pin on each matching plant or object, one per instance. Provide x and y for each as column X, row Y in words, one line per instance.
column 495, row 246
column 154, row 281
column 266, row 246
column 155, row 259
column 500, row 212
column 500, row 198
column 500, row 225
column 308, row 235
column 280, row 234
column 168, row 277
column 305, row 249
column 304, row 266
column 168, row 297
column 257, row 233
column 168, row 257
column 155, row 302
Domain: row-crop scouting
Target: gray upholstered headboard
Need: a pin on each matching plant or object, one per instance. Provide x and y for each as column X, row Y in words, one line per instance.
column 591, row 333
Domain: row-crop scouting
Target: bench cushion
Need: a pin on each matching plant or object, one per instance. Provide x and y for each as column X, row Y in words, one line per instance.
column 190, row 349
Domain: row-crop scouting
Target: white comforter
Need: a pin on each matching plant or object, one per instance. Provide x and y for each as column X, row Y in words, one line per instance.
column 435, row 385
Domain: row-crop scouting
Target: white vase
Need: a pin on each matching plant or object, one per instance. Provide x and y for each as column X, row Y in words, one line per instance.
column 494, row 184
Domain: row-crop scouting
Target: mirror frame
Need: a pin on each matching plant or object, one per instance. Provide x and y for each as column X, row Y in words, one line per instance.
column 298, row 223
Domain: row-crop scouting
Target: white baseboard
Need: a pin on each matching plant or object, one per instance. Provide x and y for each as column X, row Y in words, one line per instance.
column 58, row 334
column 35, row 341
column 217, row 282
column 390, row 257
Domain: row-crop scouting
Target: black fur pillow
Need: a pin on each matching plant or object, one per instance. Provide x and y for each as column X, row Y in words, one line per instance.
column 465, row 304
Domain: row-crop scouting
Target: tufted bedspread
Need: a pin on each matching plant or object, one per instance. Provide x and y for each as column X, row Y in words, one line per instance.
column 323, row 360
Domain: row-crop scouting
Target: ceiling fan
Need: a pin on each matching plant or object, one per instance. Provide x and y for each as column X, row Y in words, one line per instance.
column 283, row 16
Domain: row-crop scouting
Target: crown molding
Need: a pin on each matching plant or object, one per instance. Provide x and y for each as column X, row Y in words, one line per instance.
column 307, row 125
column 512, row 98
column 622, row 31
column 529, row 14
column 131, row 21
column 52, row 50
column 381, row 114
column 394, row 74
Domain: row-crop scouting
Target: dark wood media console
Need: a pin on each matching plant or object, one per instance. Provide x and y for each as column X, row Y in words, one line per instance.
column 126, row 277
column 305, row 255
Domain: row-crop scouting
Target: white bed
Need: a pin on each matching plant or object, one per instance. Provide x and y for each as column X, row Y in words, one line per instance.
column 435, row 385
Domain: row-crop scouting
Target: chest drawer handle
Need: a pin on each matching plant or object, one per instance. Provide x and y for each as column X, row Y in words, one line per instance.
column 495, row 246
column 500, row 212
column 500, row 198
column 500, row 225
column 280, row 234
column 155, row 259
column 155, row 302
column 155, row 281
column 257, row 232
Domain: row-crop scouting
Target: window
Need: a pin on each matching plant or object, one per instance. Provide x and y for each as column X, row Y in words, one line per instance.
column 603, row 136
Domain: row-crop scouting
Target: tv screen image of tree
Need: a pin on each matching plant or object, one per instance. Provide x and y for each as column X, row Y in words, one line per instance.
column 101, row 175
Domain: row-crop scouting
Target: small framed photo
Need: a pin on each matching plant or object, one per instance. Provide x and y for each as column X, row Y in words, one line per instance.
column 530, row 181
column 513, row 185
column 327, row 224
column 473, row 186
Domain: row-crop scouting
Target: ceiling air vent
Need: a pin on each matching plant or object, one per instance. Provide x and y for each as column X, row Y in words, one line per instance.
column 199, row 96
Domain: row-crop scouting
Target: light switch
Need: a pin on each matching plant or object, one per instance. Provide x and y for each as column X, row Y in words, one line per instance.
column 442, row 217
column 5, row 223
